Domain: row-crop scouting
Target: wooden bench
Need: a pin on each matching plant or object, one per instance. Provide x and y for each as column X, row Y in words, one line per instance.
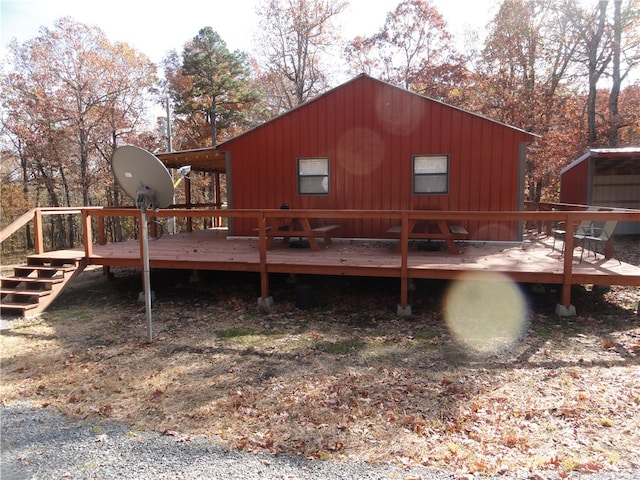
column 325, row 232
column 459, row 232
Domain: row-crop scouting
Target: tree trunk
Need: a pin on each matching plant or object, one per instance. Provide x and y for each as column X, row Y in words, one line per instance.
column 615, row 75
column 593, row 44
column 214, row 123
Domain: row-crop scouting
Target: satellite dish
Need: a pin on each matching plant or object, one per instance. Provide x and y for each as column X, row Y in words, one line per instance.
column 143, row 177
column 146, row 180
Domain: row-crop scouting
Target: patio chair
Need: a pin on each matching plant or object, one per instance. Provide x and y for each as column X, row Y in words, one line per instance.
column 598, row 236
column 559, row 232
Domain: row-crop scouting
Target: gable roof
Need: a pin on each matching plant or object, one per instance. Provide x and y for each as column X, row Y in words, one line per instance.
column 214, row 159
column 360, row 78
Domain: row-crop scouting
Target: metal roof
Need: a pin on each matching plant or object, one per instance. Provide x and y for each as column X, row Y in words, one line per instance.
column 616, row 156
column 200, row 159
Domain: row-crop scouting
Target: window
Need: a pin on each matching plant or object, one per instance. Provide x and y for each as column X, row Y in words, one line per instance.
column 313, row 176
column 430, row 174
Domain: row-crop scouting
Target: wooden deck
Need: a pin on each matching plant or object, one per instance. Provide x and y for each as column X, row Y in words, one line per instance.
column 532, row 261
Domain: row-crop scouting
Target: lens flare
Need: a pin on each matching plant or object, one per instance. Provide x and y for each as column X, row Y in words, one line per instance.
column 485, row 311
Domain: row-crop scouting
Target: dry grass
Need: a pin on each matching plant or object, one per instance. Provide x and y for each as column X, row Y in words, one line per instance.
column 347, row 379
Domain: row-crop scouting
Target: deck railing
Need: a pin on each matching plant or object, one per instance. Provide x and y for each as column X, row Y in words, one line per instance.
column 93, row 219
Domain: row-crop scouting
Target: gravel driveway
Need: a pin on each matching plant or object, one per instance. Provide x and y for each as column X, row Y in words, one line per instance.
column 38, row 443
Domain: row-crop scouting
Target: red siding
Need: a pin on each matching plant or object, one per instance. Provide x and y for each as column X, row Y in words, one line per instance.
column 574, row 184
column 370, row 131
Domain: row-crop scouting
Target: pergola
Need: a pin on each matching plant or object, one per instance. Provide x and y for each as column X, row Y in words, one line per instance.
column 207, row 160
column 200, row 159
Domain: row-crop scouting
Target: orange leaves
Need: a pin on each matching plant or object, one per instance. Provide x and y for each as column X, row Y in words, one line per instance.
column 417, row 425
column 157, row 394
column 565, row 465
column 589, row 467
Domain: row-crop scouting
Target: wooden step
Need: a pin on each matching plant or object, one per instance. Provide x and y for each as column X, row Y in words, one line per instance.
column 52, row 261
column 30, row 295
column 22, row 307
column 22, row 269
column 24, row 292
column 31, row 280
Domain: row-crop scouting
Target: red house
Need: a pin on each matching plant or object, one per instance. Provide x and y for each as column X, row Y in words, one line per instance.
column 368, row 145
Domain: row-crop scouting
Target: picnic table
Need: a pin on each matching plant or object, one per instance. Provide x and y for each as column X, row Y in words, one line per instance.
column 299, row 226
column 432, row 230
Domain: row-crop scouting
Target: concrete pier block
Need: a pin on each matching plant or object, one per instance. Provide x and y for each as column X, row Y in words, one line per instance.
column 265, row 302
column 563, row 311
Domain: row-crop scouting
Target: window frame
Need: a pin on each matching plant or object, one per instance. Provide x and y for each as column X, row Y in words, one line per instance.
column 445, row 174
column 324, row 176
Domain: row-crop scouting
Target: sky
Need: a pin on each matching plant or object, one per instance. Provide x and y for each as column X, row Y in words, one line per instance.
column 155, row 29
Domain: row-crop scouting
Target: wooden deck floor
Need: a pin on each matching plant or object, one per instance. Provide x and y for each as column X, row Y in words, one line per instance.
column 532, row 261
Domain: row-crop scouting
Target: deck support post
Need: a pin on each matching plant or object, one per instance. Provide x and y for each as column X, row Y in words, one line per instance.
column 565, row 309
column 404, row 309
column 265, row 300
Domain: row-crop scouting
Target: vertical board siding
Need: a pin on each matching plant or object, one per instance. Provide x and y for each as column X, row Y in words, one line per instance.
column 574, row 184
column 370, row 131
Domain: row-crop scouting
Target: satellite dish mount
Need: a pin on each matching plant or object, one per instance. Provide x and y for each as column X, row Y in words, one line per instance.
column 148, row 182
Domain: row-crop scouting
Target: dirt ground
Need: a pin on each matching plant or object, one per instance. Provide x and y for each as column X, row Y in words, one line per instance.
column 346, row 378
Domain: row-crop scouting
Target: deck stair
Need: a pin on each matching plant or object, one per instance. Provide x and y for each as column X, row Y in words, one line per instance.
column 34, row 286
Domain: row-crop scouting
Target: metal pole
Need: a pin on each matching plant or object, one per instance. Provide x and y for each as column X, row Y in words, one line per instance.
column 171, row 220
column 147, row 274
column 169, row 139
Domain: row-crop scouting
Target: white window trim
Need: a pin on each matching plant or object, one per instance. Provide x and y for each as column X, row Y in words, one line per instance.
column 323, row 177
column 415, row 175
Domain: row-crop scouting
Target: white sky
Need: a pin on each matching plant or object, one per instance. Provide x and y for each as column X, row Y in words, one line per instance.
column 155, row 28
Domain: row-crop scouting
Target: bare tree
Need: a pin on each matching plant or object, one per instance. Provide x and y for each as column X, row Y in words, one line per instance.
column 625, row 56
column 591, row 29
column 293, row 37
column 413, row 49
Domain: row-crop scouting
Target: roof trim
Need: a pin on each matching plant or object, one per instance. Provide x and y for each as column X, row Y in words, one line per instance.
column 603, row 153
column 576, row 162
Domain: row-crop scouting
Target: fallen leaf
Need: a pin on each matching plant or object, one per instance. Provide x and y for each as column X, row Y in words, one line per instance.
column 157, row 393
column 608, row 343
column 589, row 467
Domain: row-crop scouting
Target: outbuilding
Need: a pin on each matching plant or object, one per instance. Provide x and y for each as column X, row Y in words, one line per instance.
column 606, row 177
